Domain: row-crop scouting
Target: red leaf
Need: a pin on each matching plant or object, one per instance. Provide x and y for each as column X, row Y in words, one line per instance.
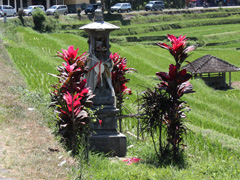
column 163, row 76
column 100, row 122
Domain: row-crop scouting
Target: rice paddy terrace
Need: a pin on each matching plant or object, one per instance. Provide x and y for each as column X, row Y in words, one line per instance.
column 214, row 146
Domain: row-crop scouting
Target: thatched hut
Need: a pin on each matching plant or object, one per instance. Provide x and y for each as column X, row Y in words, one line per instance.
column 212, row 70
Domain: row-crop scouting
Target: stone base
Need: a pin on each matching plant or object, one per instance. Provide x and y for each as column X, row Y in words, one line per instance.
column 104, row 137
column 113, row 145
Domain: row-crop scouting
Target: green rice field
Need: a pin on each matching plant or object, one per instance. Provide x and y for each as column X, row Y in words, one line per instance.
column 213, row 144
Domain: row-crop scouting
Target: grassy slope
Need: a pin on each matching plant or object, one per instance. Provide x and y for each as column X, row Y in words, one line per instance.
column 213, row 151
column 25, row 140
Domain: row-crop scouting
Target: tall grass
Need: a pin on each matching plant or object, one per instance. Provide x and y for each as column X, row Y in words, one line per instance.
column 34, row 67
column 205, row 159
column 35, row 55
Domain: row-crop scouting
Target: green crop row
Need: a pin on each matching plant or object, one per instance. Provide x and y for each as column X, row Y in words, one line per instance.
column 140, row 29
column 167, row 18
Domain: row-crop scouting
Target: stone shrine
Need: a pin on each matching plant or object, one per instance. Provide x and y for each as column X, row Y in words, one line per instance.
column 104, row 137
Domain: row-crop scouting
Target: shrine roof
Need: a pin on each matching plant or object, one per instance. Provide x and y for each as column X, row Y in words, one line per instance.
column 99, row 26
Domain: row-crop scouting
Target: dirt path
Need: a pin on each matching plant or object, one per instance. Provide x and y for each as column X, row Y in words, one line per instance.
column 28, row 150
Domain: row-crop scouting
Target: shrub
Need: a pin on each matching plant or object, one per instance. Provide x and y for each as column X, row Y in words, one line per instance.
column 119, row 80
column 43, row 23
column 51, row 25
column 163, row 108
column 39, row 18
column 70, row 99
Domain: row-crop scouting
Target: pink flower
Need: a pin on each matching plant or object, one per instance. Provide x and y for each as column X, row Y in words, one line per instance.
column 115, row 57
column 132, row 160
column 70, row 56
column 178, row 48
column 178, row 44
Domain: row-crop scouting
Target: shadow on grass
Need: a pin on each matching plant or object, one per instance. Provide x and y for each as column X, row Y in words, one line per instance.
column 178, row 162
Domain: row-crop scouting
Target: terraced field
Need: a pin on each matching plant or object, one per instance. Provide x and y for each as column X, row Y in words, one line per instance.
column 214, row 145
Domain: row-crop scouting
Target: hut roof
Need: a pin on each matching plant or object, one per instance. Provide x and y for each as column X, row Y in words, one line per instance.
column 210, row 64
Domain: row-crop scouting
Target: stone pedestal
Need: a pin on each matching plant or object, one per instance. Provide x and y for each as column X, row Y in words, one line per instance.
column 112, row 145
column 105, row 138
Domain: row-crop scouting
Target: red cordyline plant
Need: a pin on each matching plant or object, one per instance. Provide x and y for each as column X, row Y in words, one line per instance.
column 163, row 107
column 71, row 98
column 119, row 80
